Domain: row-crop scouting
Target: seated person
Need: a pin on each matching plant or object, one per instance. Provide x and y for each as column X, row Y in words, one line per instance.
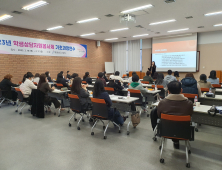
column 190, row 85
column 155, row 76
column 62, row 80
column 28, row 85
column 87, row 78
column 100, row 93
column 130, row 79
column 104, row 76
column 174, row 104
column 203, row 82
column 36, row 78
column 48, row 76
column 117, row 77
column 5, row 86
column 212, row 78
column 116, row 85
column 100, row 77
column 161, row 81
column 73, row 76
column 169, row 77
column 68, row 75
column 44, row 87
column 80, row 90
column 148, row 77
column 176, row 74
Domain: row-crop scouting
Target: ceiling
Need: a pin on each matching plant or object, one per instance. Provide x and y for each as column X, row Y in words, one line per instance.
column 62, row 12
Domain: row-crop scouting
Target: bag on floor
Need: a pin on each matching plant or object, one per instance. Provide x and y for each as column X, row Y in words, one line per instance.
column 135, row 118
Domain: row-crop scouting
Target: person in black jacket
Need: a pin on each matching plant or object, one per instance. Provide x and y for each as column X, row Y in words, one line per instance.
column 152, row 68
column 87, row 78
column 68, row 75
column 80, row 90
column 117, row 87
column 104, row 76
column 48, row 76
column 5, row 86
column 61, row 80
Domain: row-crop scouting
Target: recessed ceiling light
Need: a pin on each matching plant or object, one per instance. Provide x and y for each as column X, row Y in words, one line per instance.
column 35, row 5
column 140, row 35
column 4, row 17
column 121, row 29
column 162, row 22
column 54, row 28
column 111, row 39
column 137, row 9
column 87, row 34
column 87, row 20
column 213, row 13
column 217, row 25
column 184, row 29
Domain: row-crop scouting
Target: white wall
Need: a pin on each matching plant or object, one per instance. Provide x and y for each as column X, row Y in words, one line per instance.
column 210, row 37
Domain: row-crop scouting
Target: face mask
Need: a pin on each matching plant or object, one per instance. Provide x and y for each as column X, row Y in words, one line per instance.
column 63, row 77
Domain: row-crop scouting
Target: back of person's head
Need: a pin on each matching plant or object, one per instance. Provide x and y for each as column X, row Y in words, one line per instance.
column 100, row 74
column 213, row 74
column 104, row 72
column 37, row 75
column 176, row 74
column 29, row 75
column 189, row 75
column 159, row 79
column 76, row 85
column 98, row 88
column 86, row 75
column 47, row 73
column 117, row 73
column 203, row 77
column 74, row 75
column 67, row 72
column 42, row 79
column 169, row 72
column 135, row 78
column 148, row 73
column 60, row 75
column 174, row 87
column 155, row 75
column 24, row 78
column 133, row 73
column 8, row 76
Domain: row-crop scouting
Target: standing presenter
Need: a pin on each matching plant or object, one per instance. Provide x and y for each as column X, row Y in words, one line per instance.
column 152, row 68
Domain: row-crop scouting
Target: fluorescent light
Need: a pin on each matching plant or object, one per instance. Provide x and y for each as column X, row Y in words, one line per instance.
column 213, row 13
column 217, row 25
column 184, row 29
column 121, row 29
column 54, row 28
column 4, row 17
column 35, row 5
column 111, row 39
column 87, row 34
column 137, row 9
column 87, row 20
column 140, row 35
column 162, row 22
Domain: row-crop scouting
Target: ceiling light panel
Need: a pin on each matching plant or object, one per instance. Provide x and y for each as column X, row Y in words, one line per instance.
column 137, row 9
column 88, row 20
column 184, row 29
column 83, row 35
column 141, row 35
column 121, row 29
column 213, row 13
column 54, row 28
column 5, row 17
column 35, row 5
column 162, row 22
column 110, row 39
column 218, row 25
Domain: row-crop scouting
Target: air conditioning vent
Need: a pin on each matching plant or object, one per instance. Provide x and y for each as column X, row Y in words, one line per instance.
column 139, row 26
column 124, row 37
column 16, row 12
column 200, row 27
column 109, row 15
column 69, row 24
column 169, row 1
column 102, row 32
column 157, row 33
column 189, row 17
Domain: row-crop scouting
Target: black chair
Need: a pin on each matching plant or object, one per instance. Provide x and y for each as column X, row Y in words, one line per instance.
column 76, row 107
column 100, row 113
column 162, row 92
column 3, row 97
column 21, row 99
column 178, row 128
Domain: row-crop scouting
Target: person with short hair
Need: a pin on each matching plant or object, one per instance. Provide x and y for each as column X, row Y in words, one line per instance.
column 155, row 75
column 48, row 76
column 68, row 76
column 28, row 85
column 174, row 104
column 116, row 85
column 169, row 77
column 104, row 76
column 62, row 80
column 176, row 74
column 148, row 77
column 213, row 78
column 6, row 85
column 100, row 77
column 130, row 79
column 87, row 78
column 203, row 82
column 36, row 78
column 117, row 77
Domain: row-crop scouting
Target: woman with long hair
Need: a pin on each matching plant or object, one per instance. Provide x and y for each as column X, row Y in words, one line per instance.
column 176, row 74
column 152, row 68
column 44, row 87
column 213, row 77
column 160, row 80
column 48, row 76
column 87, row 78
column 203, row 82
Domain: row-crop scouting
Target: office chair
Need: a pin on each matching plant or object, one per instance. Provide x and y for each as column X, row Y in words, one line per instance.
column 84, row 82
column 191, row 97
column 205, row 90
column 162, row 92
column 176, row 127
column 216, row 85
column 100, row 113
column 21, row 99
column 59, row 86
column 109, row 90
column 145, row 82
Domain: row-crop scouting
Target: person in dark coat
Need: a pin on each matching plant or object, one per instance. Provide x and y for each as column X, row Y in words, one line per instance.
column 68, row 76
column 152, row 68
column 48, row 76
column 44, row 87
column 104, row 76
column 62, row 80
column 87, row 78
column 100, row 77
column 80, row 90
column 5, row 86
column 117, row 87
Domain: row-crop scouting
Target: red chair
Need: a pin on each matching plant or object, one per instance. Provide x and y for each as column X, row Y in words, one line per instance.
column 216, row 85
column 35, row 83
column 59, row 86
column 190, row 96
column 20, row 83
column 205, row 89
column 110, row 90
column 84, row 82
column 145, row 82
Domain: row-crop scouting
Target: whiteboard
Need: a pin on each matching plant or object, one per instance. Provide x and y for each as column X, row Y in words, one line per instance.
column 109, row 67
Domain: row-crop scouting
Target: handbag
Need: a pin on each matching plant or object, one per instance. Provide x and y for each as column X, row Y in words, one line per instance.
column 135, row 118
column 213, row 111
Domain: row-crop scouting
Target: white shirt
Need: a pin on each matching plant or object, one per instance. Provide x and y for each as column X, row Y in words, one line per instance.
column 36, row 80
column 26, row 88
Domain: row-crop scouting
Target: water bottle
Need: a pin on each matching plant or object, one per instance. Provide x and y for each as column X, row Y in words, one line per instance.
column 210, row 91
column 155, row 87
column 195, row 100
column 128, row 96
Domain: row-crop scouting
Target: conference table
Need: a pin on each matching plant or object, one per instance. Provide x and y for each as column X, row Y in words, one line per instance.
column 217, row 100
column 218, row 91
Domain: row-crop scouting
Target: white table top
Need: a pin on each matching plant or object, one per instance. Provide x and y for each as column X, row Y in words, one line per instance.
column 59, row 91
column 51, row 83
column 147, row 85
column 218, row 90
column 124, row 100
column 217, row 97
column 152, row 92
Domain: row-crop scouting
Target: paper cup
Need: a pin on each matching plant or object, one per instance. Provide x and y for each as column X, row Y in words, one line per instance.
column 198, row 104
